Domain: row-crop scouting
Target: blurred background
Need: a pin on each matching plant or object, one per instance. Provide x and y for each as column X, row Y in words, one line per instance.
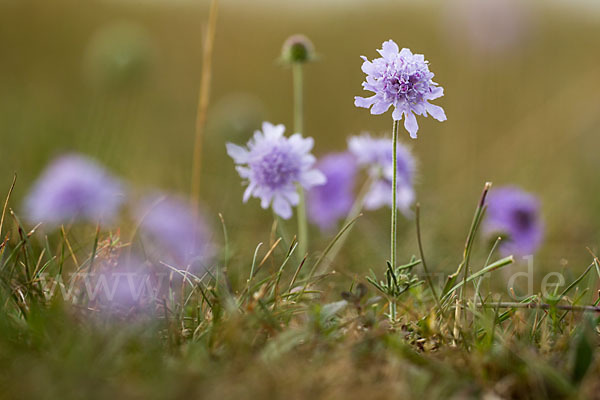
column 118, row 80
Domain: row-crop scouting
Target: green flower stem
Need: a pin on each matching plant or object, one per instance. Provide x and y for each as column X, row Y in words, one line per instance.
column 394, row 211
column 298, row 102
column 298, row 128
column 394, row 194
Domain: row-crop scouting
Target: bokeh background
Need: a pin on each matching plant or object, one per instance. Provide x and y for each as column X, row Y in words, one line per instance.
column 118, row 80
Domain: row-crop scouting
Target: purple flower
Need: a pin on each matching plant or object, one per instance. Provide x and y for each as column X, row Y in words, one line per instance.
column 274, row 165
column 491, row 27
column 514, row 214
column 328, row 203
column 74, row 187
column 173, row 233
column 376, row 154
column 402, row 79
column 124, row 285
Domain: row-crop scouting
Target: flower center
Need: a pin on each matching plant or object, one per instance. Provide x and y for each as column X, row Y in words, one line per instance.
column 523, row 219
column 407, row 81
column 276, row 169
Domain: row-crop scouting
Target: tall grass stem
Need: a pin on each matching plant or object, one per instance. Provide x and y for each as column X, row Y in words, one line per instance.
column 203, row 99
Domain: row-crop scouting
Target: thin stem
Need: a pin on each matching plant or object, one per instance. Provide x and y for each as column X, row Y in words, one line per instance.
column 298, row 128
column 298, row 98
column 422, row 253
column 203, row 98
column 394, row 210
column 6, row 202
column 542, row 306
column 393, row 309
column 470, row 238
column 394, row 194
column 330, row 246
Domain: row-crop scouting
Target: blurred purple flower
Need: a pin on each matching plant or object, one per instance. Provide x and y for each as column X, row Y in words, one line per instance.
column 273, row 165
column 514, row 214
column 328, row 203
column 174, row 234
column 125, row 286
column 74, row 187
column 402, row 79
column 492, row 27
column 376, row 154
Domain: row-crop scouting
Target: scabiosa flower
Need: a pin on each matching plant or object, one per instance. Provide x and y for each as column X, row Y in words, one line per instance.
column 174, row 233
column 126, row 284
column 74, row 187
column 328, row 203
column 376, row 154
column 274, row 165
column 514, row 214
column 402, row 79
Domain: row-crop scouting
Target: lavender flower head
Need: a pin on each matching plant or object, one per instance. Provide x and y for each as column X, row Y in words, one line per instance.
column 273, row 165
column 328, row 203
column 402, row 79
column 514, row 214
column 376, row 155
column 173, row 233
column 124, row 285
column 74, row 187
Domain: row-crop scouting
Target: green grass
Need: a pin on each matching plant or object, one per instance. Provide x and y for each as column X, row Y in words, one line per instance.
column 286, row 333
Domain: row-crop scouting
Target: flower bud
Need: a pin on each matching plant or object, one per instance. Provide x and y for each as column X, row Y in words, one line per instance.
column 297, row 49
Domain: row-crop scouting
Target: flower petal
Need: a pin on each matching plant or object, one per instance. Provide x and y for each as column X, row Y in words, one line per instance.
column 436, row 112
column 410, row 124
column 314, row 177
column 379, row 195
column 406, row 53
column 248, row 192
column 272, row 131
column 282, row 207
column 397, row 114
column 238, row 153
column 436, row 92
column 364, row 102
column 244, row 172
column 368, row 67
column 291, row 196
column 389, row 50
column 380, row 107
column 265, row 199
column 405, row 196
column 300, row 144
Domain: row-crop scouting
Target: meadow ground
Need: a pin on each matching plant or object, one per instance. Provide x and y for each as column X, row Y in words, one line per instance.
column 214, row 298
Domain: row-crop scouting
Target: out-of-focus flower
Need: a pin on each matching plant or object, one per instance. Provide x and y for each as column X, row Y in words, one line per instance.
column 173, row 233
column 402, row 79
column 297, row 49
column 124, row 285
column 328, row 203
column 118, row 54
column 496, row 27
column 273, row 165
column 376, row 154
column 514, row 214
column 74, row 187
